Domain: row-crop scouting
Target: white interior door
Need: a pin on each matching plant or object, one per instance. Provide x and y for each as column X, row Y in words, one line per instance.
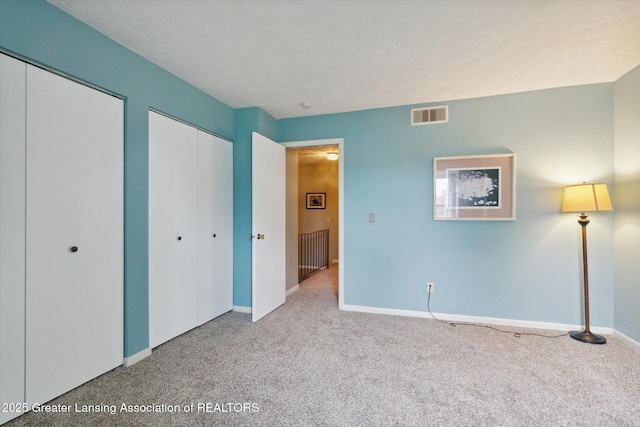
column 268, row 278
column 173, row 206
column 12, row 230
column 74, row 234
column 215, row 226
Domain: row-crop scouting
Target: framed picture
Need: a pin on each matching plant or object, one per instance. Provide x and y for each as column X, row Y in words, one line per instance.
column 474, row 188
column 316, row 200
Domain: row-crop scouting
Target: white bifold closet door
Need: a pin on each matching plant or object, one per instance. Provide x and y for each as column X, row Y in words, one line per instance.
column 215, row 226
column 74, row 239
column 12, row 228
column 66, row 177
column 173, row 224
column 190, row 227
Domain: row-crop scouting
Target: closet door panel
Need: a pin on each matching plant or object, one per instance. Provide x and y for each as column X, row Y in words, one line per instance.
column 173, row 218
column 223, row 219
column 12, row 228
column 74, row 288
column 215, row 226
column 102, row 189
column 206, row 228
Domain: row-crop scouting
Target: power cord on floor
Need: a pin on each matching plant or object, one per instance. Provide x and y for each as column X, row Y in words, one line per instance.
column 515, row 334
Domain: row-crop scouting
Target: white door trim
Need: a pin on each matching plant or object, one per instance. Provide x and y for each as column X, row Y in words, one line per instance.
column 340, row 143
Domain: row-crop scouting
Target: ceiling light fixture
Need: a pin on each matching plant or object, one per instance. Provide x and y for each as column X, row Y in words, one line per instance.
column 332, row 156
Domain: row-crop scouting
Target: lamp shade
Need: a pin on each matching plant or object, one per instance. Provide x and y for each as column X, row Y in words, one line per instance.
column 586, row 198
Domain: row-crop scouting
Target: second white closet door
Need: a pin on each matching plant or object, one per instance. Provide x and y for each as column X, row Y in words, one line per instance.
column 215, row 227
column 173, row 206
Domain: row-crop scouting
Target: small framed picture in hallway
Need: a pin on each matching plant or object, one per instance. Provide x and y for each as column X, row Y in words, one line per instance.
column 316, row 200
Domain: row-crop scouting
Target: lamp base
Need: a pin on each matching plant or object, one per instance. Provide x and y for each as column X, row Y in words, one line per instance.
column 588, row 337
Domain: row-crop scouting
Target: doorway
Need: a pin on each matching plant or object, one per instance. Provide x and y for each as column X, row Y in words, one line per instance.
column 310, row 154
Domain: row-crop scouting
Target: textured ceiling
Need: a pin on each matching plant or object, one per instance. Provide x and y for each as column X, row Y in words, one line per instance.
column 353, row 55
column 315, row 155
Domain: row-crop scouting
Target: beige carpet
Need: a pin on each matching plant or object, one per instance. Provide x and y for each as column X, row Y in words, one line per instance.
column 309, row 364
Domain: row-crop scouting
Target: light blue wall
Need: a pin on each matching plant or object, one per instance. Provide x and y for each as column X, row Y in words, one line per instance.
column 627, row 203
column 246, row 121
column 42, row 33
column 529, row 269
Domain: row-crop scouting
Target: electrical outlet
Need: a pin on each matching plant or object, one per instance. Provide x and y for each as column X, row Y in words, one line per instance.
column 431, row 287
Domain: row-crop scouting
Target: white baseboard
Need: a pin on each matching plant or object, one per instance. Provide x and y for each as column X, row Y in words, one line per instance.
column 131, row 360
column 633, row 343
column 241, row 309
column 292, row 290
column 477, row 319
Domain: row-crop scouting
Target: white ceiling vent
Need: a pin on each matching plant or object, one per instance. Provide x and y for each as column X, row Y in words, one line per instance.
column 430, row 115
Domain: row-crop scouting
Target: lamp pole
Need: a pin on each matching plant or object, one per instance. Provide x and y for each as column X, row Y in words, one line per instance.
column 586, row 198
column 586, row 335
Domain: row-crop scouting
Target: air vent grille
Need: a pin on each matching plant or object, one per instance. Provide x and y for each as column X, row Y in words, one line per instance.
column 430, row 115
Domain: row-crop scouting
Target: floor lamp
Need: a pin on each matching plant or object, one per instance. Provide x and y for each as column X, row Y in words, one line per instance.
column 586, row 198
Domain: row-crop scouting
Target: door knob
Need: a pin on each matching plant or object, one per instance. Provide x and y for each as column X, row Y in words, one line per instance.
column 179, row 237
column 214, row 234
column 74, row 249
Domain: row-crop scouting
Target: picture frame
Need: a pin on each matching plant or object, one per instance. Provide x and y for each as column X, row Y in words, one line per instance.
column 316, row 200
column 474, row 188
